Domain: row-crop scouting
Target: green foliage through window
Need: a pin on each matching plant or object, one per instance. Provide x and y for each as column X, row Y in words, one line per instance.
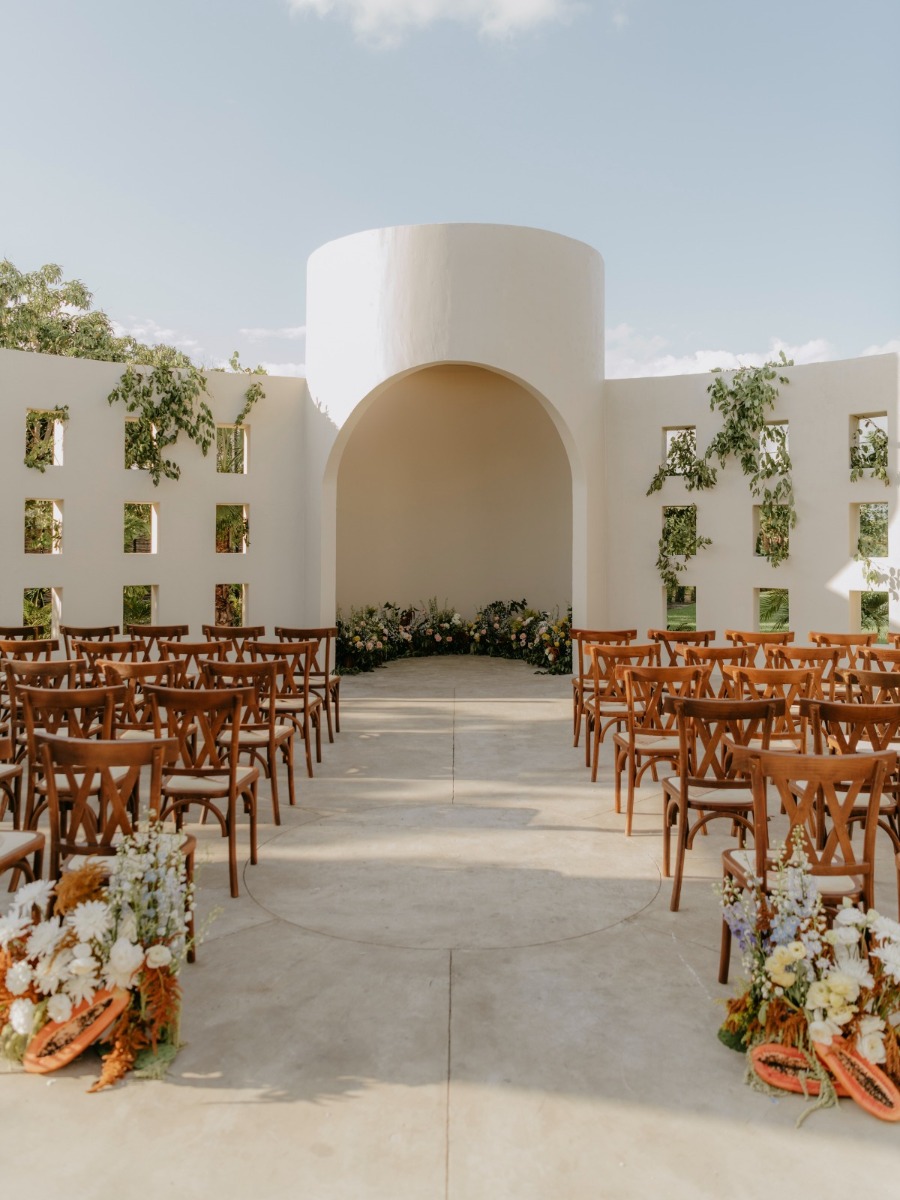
column 869, row 450
column 43, row 531
column 229, row 604
column 678, row 544
column 774, row 610
column 138, row 528
column 137, row 604
column 37, row 609
column 232, row 529
column 43, row 429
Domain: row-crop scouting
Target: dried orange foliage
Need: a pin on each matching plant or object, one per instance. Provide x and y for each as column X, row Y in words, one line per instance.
column 75, row 887
column 151, row 1018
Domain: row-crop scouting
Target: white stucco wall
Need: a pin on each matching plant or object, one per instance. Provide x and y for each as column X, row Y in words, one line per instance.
column 820, row 574
column 94, row 486
column 524, row 307
column 454, row 484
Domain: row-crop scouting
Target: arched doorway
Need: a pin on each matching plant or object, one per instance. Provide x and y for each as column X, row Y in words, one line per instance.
column 454, row 483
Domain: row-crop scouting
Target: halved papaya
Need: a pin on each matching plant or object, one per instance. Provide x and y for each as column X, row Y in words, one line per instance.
column 866, row 1084
column 59, row 1042
column 787, row 1068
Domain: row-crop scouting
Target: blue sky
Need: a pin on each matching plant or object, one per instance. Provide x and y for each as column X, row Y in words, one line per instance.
column 736, row 162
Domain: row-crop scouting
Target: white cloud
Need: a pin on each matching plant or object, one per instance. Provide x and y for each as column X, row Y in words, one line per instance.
column 285, row 368
column 147, row 330
column 889, row 347
column 291, row 332
column 386, row 21
column 628, row 354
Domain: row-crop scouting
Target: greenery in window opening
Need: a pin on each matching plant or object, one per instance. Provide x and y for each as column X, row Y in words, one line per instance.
column 744, row 399
column 774, row 612
column 872, row 541
column 869, row 452
column 874, row 613
column 232, row 529
column 678, row 544
column 136, row 604
column 43, row 313
column 43, row 533
column 229, row 604
column 37, row 609
column 138, row 526
column 40, row 436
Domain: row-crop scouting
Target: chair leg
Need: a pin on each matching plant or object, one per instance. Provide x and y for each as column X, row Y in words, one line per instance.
column 337, row 708
column 682, row 836
column 725, row 953
column 273, row 781
column 629, row 811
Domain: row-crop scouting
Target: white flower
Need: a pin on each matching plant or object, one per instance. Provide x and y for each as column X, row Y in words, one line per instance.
column 21, row 1016
column 83, row 964
column 849, row 915
column 890, row 956
column 90, row 920
column 159, row 956
column 43, row 938
column 823, row 1031
column 59, row 1007
column 842, row 984
column 128, row 927
column 870, row 1039
column 884, row 927
column 845, row 935
column 12, row 927
column 124, row 959
column 18, row 977
column 80, row 987
column 818, row 995
column 32, row 894
column 855, row 969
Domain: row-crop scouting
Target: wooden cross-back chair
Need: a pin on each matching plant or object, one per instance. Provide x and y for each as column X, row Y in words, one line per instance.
column 871, row 687
column 718, row 684
column 76, row 713
column 817, row 794
column 650, row 735
column 134, row 715
column 824, row 659
column 582, row 680
column 237, row 635
column 780, row 683
column 18, row 633
column 122, row 650
column 707, row 786
column 151, row 635
column 879, row 658
column 322, row 681
column 28, row 649
column 87, row 633
column 51, row 673
column 206, row 773
column 295, row 699
column 192, row 656
column 849, row 644
column 262, row 736
column 671, row 639
column 755, row 640
column 604, row 703
column 10, row 784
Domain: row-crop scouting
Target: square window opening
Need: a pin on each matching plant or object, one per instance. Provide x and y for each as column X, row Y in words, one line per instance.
column 681, row 607
column 138, row 604
column 870, row 612
column 772, row 532
column 679, row 448
column 44, row 437
column 872, row 530
column 231, row 449
column 869, row 446
column 230, row 603
column 140, row 528
column 43, row 526
column 42, row 606
column 232, row 528
column 137, row 432
column 772, row 610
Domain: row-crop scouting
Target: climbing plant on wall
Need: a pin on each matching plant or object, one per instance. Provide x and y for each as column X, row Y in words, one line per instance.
column 743, row 399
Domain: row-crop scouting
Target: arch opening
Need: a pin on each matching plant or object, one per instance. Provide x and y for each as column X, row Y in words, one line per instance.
column 454, row 483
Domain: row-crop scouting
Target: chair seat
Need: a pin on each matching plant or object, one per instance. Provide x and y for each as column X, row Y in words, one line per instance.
column 18, row 844
column 743, row 862
column 260, row 737
column 215, row 783
column 648, row 743
column 716, row 797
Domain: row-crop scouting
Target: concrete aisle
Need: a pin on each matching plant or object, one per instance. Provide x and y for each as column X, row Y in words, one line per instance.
column 450, row 977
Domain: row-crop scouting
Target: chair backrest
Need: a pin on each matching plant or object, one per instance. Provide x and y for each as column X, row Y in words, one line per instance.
column 755, row 639
column 849, row 643
column 604, row 659
column 31, row 648
column 871, row 687
column 135, row 710
column 298, row 658
column 237, row 635
column 43, row 673
column 673, row 638
column 323, row 636
column 647, row 687
column 151, row 635
column 718, row 685
column 10, row 633
column 87, row 633
column 205, row 723
column 260, row 679
column 708, row 731
column 825, row 659
column 818, row 793
column 101, row 781
column 879, row 658
column 192, row 655
column 83, row 712
column 581, row 667
column 779, row 683
column 847, row 728
column 92, row 652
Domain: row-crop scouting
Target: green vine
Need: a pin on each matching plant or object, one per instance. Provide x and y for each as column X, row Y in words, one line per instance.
column 40, row 435
column 869, row 452
column 744, row 401
column 169, row 401
column 678, row 544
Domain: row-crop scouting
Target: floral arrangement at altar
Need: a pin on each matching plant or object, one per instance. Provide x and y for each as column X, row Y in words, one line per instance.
column 820, row 1013
column 104, row 965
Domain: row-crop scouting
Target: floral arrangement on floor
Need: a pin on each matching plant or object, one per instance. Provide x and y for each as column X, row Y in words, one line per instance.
column 105, row 964
column 820, row 1013
column 370, row 637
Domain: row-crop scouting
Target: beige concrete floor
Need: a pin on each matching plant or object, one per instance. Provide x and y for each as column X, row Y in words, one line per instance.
column 450, row 977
